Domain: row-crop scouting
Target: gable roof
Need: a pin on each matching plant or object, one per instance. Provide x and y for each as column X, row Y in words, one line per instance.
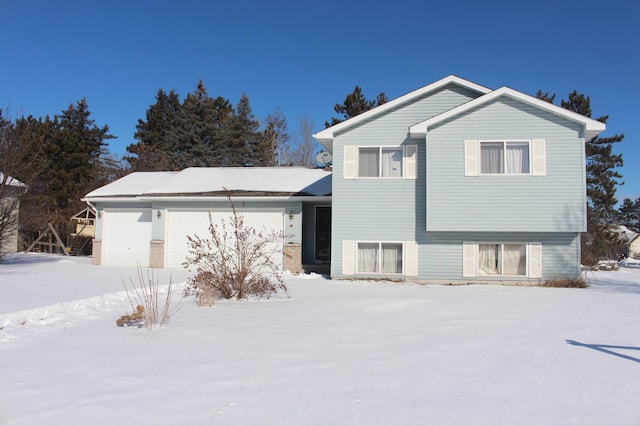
column 325, row 137
column 215, row 181
column 591, row 127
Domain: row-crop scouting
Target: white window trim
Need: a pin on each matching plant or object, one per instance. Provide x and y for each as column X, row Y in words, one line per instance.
column 504, row 153
column 532, row 271
column 409, row 161
column 358, row 242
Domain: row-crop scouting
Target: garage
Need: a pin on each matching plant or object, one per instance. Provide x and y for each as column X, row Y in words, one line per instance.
column 181, row 223
column 127, row 237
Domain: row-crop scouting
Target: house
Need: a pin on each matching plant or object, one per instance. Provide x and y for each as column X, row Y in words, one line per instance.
column 451, row 183
column 458, row 183
column 144, row 218
column 10, row 191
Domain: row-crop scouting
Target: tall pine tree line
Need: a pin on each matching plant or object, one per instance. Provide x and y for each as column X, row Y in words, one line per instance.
column 60, row 159
column 202, row 131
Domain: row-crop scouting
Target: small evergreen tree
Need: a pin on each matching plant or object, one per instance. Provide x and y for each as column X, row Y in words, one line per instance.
column 355, row 103
column 629, row 214
column 243, row 143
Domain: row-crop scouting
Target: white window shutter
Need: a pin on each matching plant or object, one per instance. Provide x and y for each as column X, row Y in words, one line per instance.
column 411, row 258
column 535, row 260
column 468, row 259
column 471, row 157
column 411, row 160
column 348, row 257
column 538, row 156
column 349, row 162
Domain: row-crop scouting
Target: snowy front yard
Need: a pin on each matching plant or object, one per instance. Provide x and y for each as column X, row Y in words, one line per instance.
column 334, row 353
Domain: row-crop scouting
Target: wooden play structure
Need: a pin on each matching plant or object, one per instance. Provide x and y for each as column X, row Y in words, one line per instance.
column 49, row 240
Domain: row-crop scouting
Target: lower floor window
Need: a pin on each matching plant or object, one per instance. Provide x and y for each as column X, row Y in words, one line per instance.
column 380, row 258
column 502, row 259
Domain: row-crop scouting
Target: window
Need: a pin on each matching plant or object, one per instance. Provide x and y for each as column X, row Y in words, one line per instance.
column 504, row 157
column 379, row 258
column 380, row 162
column 502, row 259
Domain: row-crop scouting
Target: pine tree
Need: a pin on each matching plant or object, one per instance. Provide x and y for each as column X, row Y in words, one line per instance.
column 74, row 153
column 195, row 131
column 602, row 176
column 243, row 148
column 156, row 144
column 355, row 103
column 629, row 214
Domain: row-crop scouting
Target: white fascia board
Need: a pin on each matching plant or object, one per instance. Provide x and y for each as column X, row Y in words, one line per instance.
column 592, row 127
column 109, row 199
column 242, row 198
column 325, row 137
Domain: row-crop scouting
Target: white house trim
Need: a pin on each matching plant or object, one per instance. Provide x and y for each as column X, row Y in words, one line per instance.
column 325, row 137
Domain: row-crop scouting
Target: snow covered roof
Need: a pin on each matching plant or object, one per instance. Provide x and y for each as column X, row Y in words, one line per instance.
column 11, row 181
column 625, row 233
column 213, row 181
column 133, row 184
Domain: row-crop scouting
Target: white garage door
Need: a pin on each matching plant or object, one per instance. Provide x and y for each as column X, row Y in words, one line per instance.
column 126, row 237
column 180, row 224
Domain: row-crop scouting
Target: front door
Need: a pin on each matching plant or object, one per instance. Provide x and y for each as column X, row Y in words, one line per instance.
column 323, row 234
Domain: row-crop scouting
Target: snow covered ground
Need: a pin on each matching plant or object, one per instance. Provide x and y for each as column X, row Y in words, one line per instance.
column 334, row 353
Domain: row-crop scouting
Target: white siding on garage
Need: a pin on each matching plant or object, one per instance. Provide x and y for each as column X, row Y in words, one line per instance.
column 183, row 223
column 126, row 237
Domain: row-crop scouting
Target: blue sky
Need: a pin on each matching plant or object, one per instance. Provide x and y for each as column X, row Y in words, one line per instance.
column 304, row 58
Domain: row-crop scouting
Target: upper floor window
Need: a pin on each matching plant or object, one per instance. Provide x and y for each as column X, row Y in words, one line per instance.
column 380, row 162
column 507, row 157
column 504, row 157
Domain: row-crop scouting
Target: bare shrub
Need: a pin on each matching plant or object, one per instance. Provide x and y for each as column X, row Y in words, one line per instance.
column 566, row 283
column 150, row 309
column 234, row 261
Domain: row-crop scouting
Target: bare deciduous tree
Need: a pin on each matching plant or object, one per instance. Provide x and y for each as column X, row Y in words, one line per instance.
column 19, row 167
column 304, row 148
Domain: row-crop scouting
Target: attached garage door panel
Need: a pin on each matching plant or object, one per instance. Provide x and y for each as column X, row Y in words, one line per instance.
column 126, row 237
column 184, row 223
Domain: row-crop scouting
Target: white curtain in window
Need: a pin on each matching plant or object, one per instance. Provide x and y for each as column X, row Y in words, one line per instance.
column 391, row 162
column 515, row 259
column 392, row 258
column 368, row 257
column 368, row 162
column 489, row 259
column 492, row 157
column 517, row 157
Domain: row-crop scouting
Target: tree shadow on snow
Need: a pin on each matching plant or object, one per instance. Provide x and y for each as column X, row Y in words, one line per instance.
column 606, row 349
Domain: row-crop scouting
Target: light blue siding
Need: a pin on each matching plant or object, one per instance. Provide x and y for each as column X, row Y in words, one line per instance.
column 552, row 203
column 383, row 209
column 441, row 254
column 442, row 208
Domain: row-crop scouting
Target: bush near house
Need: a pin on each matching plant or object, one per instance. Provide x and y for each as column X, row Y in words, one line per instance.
column 233, row 261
